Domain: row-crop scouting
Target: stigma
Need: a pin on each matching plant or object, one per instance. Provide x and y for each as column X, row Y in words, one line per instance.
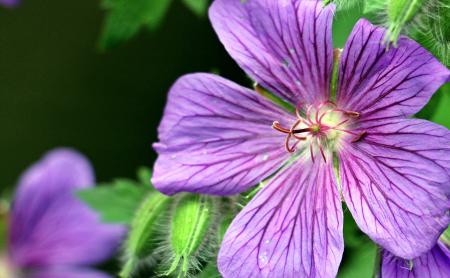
column 320, row 128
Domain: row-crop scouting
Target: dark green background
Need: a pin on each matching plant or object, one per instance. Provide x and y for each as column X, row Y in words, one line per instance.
column 57, row 89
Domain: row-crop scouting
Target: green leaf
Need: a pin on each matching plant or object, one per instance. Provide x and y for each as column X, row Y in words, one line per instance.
column 199, row 7
column 116, row 202
column 4, row 214
column 144, row 175
column 125, row 18
column 442, row 114
column 360, row 255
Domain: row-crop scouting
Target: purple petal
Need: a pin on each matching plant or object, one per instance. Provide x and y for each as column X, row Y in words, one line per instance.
column 284, row 45
column 433, row 264
column 49, row 225
column 292, row 228
column 379, row 83
column 216, row 137
column 69, row 273
column 396, row 184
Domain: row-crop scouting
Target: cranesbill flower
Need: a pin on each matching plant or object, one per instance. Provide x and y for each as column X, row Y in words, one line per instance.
column 219, row 138
column 433, row 264
column 52, row 234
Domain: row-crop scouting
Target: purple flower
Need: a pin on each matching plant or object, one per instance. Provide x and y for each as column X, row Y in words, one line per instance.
column 219, row 138
column 9, row 3
column 53, row 234
column 434, row 264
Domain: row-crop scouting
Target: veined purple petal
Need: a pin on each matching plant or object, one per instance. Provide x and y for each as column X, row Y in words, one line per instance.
column 49, row 225
column 396, row 184
column 216, row 138
column 69, row 273
column 291, row 228
column 433, row 264
column 381, row 84
column 284, row 45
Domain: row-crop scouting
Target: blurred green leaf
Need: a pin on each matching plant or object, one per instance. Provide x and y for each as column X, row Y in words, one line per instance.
column 199, row 7
column 441, row 114
column 126, row 17
column 144, row 175
column 210, row 271
column 4, row 211
column 116, row 202
column 360, row 255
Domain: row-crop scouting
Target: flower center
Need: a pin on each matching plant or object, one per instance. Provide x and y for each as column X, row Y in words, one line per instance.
column 322, row 128
column 6, row 268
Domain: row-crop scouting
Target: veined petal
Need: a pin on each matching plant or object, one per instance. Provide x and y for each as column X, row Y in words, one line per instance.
column 49, row 225
column 396, row 182
column 216, row 137
column 285, row 45
column 291, row 228
column 68, row 273
column 433, row 264
column 380, row 83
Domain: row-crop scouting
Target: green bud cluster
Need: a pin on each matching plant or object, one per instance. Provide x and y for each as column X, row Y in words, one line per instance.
column 143, row 232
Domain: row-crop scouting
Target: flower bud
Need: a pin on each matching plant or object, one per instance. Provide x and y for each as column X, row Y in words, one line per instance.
column 141, row 238
column 192, row 218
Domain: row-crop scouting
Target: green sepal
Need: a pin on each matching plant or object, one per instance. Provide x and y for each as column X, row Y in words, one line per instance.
column 144, row 230
column 445, row 237
column 191, row 220
column 273, row 98
column 400, row 13
column 374, row 6
column 115, row 202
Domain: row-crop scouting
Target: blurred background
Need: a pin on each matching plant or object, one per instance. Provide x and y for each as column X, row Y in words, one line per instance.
column 58, row 89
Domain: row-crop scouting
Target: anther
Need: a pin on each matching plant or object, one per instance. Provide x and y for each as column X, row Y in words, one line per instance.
column 277, row 126
column 359, row 137
column 352, row 114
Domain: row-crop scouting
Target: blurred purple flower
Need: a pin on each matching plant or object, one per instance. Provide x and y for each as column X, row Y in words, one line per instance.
column 52, row 233
column 434, row 264
column 9, row 3
column 219, row 138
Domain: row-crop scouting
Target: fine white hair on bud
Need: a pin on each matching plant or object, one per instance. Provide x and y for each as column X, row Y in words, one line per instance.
column 191, row 240
column 144, row 230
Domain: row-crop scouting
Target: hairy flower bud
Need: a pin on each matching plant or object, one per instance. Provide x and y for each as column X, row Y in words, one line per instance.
column 143, row 230
column 190, row 222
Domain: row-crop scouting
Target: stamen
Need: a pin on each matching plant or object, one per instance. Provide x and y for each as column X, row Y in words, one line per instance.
column 315, row 127
column 276, row 125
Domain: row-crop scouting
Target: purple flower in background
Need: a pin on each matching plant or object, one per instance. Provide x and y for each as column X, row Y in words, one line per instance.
column 52, row 234
column 9, row 3
column 219, row 138
column 434, row 264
